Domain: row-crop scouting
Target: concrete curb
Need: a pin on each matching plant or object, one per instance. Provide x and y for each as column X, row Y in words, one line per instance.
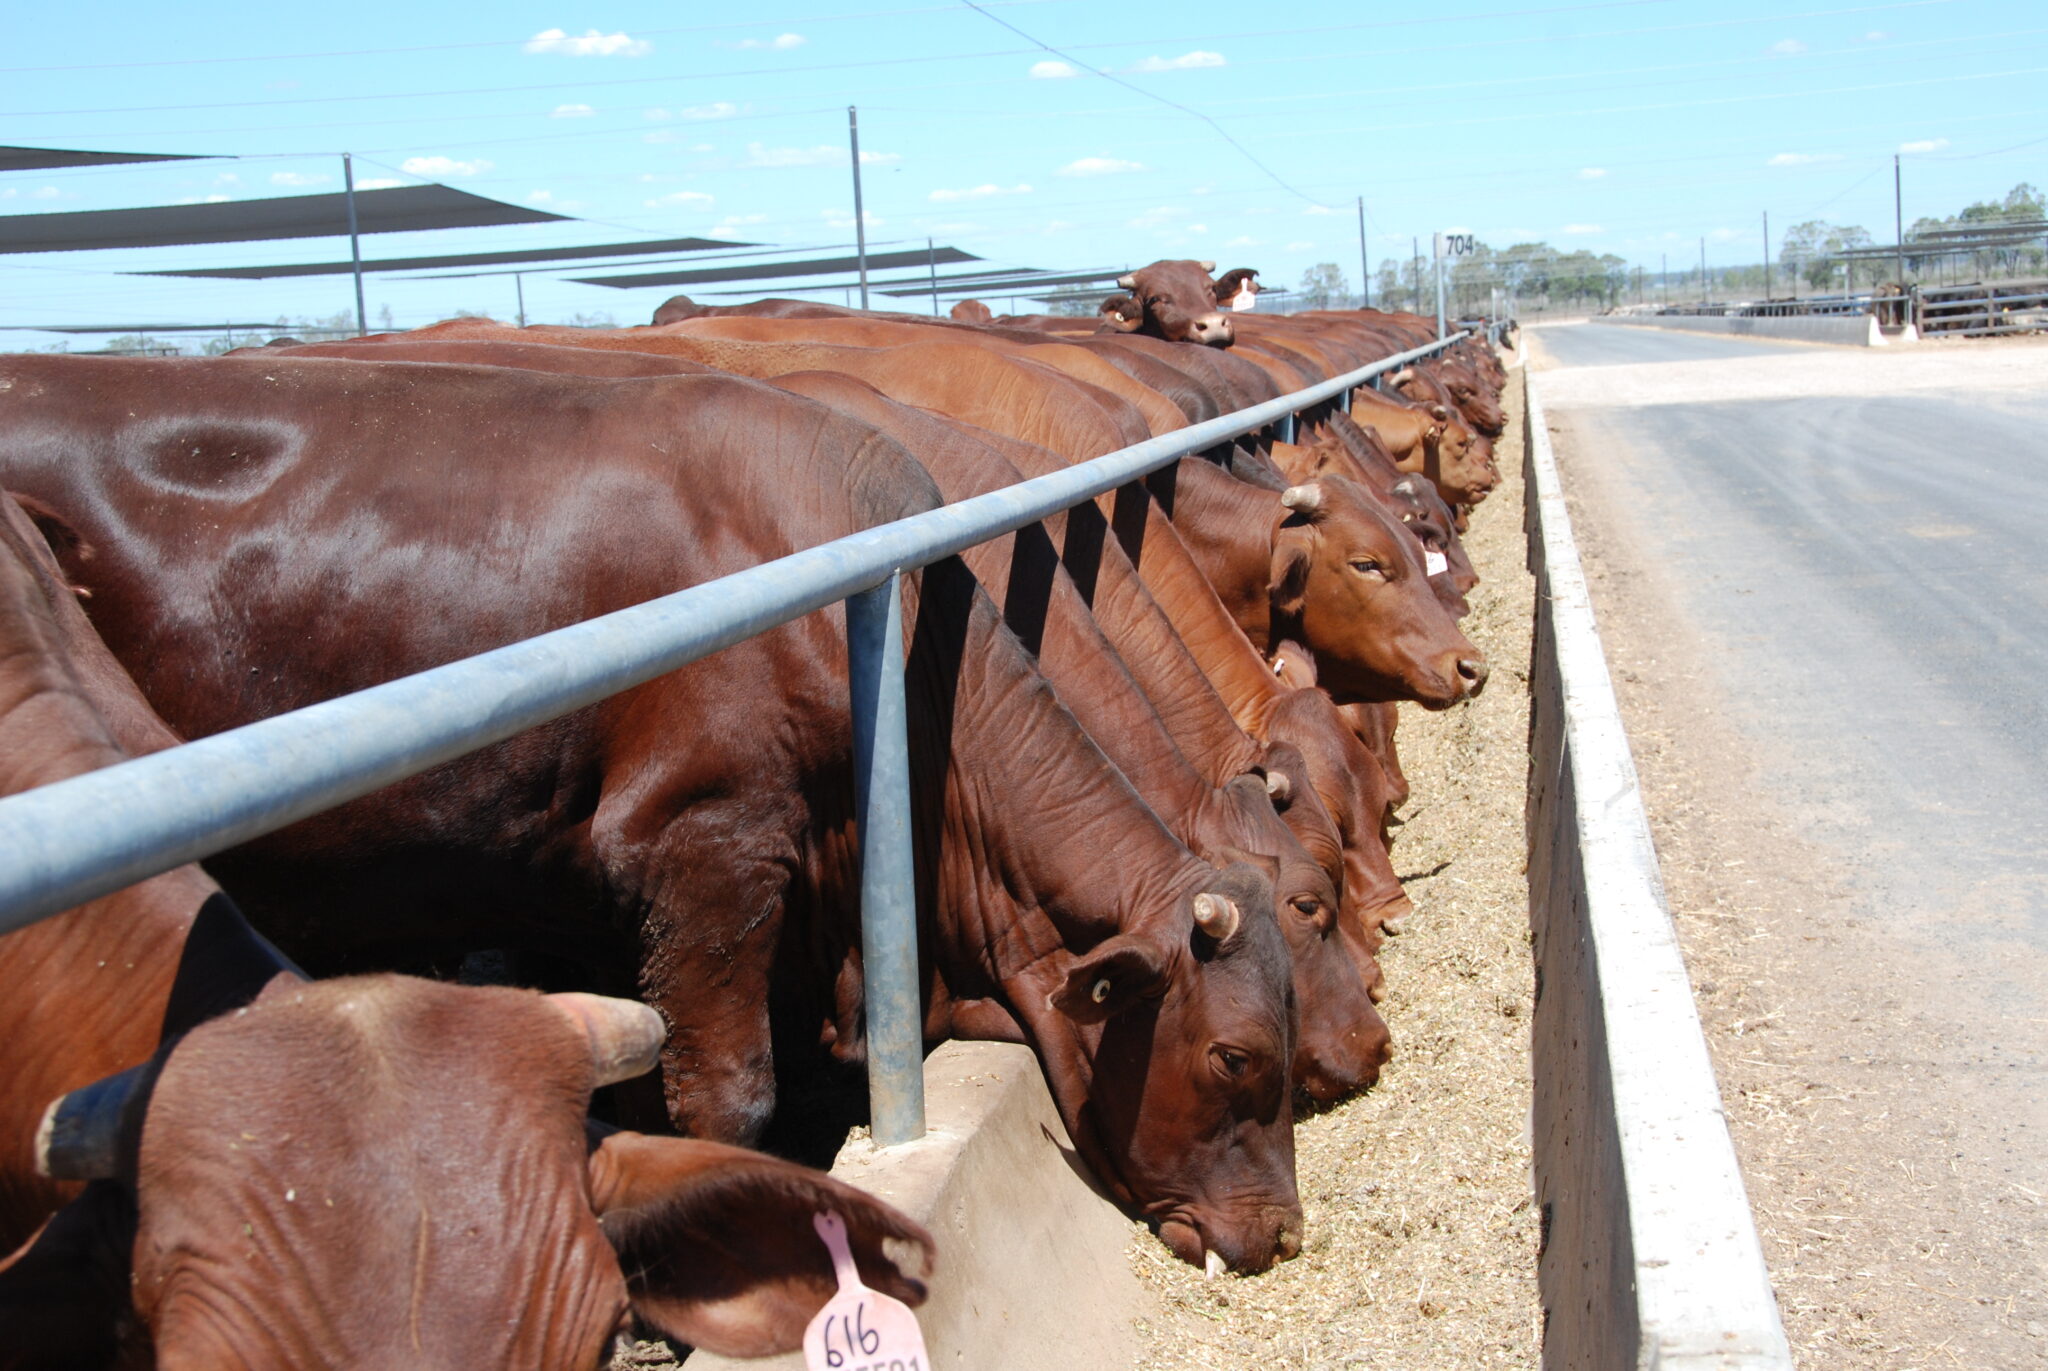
column 1031, row 1269
column 1650, row 1255
column 1849, row 330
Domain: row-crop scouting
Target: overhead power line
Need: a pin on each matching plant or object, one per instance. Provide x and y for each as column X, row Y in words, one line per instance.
column 1224, row 133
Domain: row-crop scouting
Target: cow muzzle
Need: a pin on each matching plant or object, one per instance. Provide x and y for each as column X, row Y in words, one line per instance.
column 1212, row 330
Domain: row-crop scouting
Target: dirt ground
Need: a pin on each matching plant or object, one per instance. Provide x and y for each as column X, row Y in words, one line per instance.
column 1421, row 1247
column 1885, row 1253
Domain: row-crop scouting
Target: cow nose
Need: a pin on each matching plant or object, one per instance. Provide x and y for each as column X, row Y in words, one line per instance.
column 1212, row 328
column 1472, row 672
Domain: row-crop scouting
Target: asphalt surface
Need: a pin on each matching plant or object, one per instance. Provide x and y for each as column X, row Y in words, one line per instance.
column 1865, row 572
column 1608, row 345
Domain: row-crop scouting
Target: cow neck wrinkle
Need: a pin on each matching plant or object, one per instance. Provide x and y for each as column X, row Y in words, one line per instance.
column 1227, row 524
column 1041, row 820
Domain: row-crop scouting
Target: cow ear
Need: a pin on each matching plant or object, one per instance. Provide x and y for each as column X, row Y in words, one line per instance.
column 1287, row 581
column 717, row 1246
column 1112, row 978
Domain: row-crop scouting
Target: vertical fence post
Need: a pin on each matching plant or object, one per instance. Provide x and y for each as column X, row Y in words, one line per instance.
column 1283, row 428
column 888, row 891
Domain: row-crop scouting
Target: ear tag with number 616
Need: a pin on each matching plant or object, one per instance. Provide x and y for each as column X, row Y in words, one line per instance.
column 860, row 1329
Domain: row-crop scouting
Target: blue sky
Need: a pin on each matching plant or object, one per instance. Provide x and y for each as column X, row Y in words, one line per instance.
column 1627, row 126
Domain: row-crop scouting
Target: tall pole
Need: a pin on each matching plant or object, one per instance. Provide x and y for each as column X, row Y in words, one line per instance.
column 1767, row 254
column 1663, row 278
column 1898, row 224
column 355, row 242
column 519, row 284
column 1437, row 248
column 1364, row 261
column 931, row 261
column 860, row 219
column 1415, row 250
column 1706, row 295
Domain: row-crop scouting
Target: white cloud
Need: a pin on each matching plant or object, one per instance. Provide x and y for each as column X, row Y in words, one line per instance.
column 1198, row 228
column 1875, row 36
column 824, row 155
column 781, row 42
column 227, row 178
column 590, row 44
column 1802, row 159
column 732, row 224
column 571, row 112
column 442, row 166
column 1315, row 210
column 1099, row 166
column 1298, row 247
column 981, row 192
column 1924, row 145
column 717, row 109
column 379, row 183
column 1187, row 61
column 1582, row 230
column 297, row 178
column 1786, row 47
column 843, row 219
column 540, row 197
column 1052, row 71
column 52, row 193
column 1053, row 226
column 1591, row 173
column 679, row 197
column 1158, row 218
column 1241, row 241
column 188, row 200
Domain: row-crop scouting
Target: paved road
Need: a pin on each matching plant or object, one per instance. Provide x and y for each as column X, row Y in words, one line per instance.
column 1866, row 569
column 1607, row 345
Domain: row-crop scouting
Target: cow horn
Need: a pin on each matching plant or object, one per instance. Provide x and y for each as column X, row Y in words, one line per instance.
column 1216, row 915
column 1128, row 281
column 625, row 1036
column 1303, row 499
column 1278, row 786
column 1401, row 377
column 82, row 1134
column 1206, row 266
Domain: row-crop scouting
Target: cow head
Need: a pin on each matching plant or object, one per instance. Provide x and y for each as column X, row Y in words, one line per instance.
column 380, row 1171
column 1169, row 1048
column 973, row 312
column 1349, row 582
column 1342, row 1041
column 1120, row 314
column 1178, row 303
column 1423, row 510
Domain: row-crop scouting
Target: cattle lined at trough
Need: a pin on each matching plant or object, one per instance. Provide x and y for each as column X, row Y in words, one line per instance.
column 1152, row 757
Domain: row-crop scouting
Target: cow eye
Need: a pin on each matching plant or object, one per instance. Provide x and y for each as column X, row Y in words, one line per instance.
column 1232, row 1062
column 1367, row 566
column 1307, row 905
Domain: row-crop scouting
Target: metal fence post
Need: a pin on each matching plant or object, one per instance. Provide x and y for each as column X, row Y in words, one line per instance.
column 1284, row 429
column 888, row 889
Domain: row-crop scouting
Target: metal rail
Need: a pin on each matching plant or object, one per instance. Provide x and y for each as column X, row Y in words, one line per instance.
column 91, row 835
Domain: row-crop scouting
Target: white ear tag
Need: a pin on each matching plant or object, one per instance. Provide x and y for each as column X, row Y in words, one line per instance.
column 860, row 1329
column 1435, row 561
column 1246, row 299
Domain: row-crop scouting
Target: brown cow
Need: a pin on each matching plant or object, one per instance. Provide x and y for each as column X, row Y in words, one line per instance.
column 1179, row 303
column 283, row 492
column 227, row 1144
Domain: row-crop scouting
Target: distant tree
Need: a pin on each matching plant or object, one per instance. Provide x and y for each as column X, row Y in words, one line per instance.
column 1322, row 287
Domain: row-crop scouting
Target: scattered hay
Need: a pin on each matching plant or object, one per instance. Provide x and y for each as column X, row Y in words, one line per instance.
column 1421, row 1244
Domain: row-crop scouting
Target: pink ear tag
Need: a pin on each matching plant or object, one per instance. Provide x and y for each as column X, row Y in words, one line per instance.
column 860, row 1329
